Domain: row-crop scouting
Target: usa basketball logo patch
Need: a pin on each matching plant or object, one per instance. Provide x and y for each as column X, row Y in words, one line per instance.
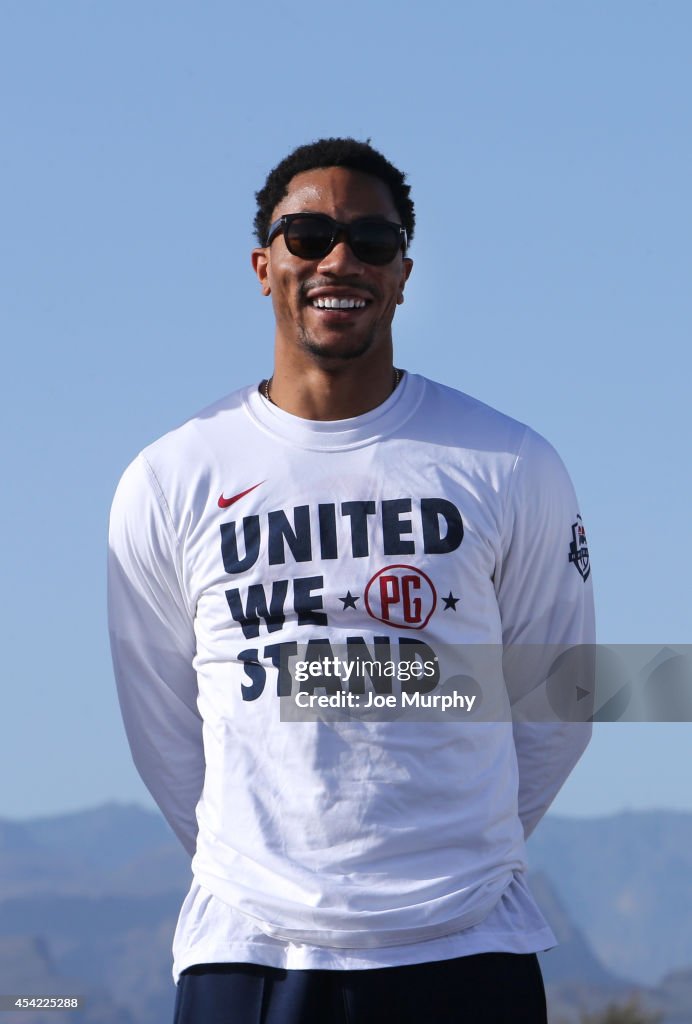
column 578, row 549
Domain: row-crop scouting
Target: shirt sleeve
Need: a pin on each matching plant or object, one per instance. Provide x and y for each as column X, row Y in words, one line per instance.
column 545, row 596
column 153, row 644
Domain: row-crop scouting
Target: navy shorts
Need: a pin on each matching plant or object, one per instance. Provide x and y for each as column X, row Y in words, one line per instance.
column 488, row 988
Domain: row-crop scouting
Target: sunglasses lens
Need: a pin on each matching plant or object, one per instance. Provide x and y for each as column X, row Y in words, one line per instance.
column 308, row 237
column 311, row 236
column 375, row 242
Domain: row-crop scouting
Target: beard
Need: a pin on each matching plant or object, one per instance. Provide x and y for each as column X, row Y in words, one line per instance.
column 339, row 345
column 346, row 350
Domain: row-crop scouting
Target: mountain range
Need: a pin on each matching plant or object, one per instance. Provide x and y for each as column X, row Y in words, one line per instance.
column 88, row 904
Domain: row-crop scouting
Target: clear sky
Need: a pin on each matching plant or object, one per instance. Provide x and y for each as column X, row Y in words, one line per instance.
column 549, row 148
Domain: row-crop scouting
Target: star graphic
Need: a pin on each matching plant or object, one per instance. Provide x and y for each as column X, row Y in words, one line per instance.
column 451, row 602
column 349, row 600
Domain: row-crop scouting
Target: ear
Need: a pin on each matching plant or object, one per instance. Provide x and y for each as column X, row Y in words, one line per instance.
column 405, row 272
column 260, row 264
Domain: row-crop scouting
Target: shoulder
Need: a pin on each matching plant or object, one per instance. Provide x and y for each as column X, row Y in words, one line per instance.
column 517, row 461
column 456, row 418
column 206, row 429
column 177, row 471
column 196, row 443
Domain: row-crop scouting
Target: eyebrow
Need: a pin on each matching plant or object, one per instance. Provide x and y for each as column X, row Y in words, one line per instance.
column 363, row 216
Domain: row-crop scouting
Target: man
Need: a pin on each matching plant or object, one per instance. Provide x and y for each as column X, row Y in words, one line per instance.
column 351, row 869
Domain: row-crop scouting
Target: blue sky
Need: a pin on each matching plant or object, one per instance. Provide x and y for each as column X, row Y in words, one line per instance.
column 549, row 148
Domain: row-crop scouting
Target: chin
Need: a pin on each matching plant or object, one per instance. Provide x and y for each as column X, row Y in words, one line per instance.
column 337, row 348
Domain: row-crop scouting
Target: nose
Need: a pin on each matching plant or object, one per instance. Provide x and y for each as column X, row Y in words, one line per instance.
column 341, row 260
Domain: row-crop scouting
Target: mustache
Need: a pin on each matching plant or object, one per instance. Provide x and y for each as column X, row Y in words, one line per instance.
column 356, row 283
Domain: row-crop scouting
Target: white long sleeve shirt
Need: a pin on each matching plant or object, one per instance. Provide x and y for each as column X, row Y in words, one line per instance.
column 248, row 535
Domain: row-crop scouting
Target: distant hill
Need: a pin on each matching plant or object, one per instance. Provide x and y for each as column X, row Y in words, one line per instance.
column 91, row 899
column 124, row 847
column 88, row 905
column 574, row 957
column 626, row 882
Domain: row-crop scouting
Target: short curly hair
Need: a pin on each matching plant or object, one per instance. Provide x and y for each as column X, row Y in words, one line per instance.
column 357, row 156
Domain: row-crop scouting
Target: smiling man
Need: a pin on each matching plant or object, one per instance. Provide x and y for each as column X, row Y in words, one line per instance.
column 344, row 512
column 334, row 310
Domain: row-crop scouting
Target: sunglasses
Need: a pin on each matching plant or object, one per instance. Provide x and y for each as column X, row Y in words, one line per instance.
column 310, row 236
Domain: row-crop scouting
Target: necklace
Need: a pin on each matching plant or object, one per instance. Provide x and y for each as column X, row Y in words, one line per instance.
column 266, row 384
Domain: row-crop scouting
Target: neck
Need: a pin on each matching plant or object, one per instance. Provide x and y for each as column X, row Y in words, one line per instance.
column 339, row 391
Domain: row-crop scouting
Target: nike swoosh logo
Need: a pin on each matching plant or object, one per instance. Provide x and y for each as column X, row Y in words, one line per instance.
column 227, row 502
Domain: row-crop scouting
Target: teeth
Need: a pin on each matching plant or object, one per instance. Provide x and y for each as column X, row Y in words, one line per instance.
column 329, row 303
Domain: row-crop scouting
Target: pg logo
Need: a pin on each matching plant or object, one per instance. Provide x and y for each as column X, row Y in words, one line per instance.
column 401, row 595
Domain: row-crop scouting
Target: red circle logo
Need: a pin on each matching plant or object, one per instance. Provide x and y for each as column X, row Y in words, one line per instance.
column 401, row 595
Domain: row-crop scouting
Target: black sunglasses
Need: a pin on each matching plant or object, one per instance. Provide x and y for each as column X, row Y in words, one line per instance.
column 310, row 236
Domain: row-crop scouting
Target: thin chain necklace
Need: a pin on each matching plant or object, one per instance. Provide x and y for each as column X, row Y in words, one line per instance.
column 266, row 384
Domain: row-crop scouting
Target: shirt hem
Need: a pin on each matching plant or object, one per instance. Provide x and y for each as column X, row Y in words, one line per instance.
column 320, row 959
